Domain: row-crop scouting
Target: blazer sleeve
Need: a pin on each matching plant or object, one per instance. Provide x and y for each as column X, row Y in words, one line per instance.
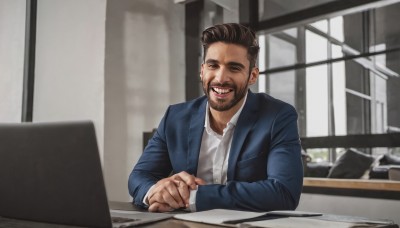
column 154, row 164
column 281, row 188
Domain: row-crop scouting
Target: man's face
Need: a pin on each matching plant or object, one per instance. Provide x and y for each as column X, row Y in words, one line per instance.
column 225, row 75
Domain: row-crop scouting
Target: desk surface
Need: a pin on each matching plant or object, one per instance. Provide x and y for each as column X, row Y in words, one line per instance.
column 12, row 223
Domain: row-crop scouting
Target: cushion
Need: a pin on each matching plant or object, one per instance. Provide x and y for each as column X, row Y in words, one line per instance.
column 379, row 172
column 317, row 169
column 352, row 164
column 388, row 159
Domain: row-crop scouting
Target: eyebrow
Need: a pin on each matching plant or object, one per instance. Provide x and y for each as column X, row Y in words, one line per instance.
column 211, row 61
column 236, row 64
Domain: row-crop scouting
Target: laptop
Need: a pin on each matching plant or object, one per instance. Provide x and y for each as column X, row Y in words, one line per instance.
column 51, row 172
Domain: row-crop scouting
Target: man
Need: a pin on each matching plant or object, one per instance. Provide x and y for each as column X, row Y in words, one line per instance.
column 229, row 149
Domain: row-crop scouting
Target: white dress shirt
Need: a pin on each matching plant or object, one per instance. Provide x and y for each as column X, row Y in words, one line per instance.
column 214, row 153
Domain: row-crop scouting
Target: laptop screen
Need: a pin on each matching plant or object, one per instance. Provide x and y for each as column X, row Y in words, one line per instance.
column 51, row 172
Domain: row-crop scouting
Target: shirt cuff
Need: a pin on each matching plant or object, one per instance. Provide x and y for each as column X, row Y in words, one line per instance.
column 192, row 200
column 145, row 200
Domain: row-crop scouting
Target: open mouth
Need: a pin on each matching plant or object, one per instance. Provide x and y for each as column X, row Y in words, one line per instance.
column 221, row 91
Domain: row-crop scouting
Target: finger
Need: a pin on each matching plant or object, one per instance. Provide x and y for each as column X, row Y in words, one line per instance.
column 184, row 193
column 188, row 179
column 199, row 181
column 167, row 193
column 165, row 198
column 160, row 207
column 159, row 187
column 176, row 177
column 175, row 194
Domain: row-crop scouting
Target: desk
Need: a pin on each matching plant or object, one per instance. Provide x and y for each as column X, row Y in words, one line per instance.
column 378, row 189
column 170, row 223
column 378, row 185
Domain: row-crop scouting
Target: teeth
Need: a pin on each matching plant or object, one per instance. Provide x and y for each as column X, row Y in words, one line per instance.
column 221, row 91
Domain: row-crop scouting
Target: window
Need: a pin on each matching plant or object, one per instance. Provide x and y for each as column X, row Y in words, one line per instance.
column 339, row 73
column 336, row 61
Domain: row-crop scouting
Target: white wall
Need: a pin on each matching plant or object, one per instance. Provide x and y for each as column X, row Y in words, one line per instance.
column 69, row 73
column 144, row 73
column 12, row 44
column 352, row 206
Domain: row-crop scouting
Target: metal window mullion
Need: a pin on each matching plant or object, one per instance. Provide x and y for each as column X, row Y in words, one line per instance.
column 331, row 112
column 372, row 77
column 29, row 61
column 358, row 94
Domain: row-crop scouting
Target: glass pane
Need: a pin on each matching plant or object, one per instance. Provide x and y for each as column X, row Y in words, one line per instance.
column 386, row 27
column 336, row 51
column 319, row 155
column 356, row 77
column 336, row 27
column 395, row 151
column 339, row 98
column 357, row 114
column 379, row 117
column 317, row 100
column 282, row 86
column 275, row 52
column 353, row 34
column 316, row 47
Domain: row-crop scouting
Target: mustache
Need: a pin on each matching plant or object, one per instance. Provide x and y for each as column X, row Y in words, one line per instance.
column 225, row 84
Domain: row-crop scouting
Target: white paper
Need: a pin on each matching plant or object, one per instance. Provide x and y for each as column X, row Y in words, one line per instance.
column 297, row 222
column 294, row 213
column 217, row 216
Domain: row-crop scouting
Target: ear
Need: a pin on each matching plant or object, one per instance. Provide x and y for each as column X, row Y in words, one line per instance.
column 254, row 75
column 201, row 71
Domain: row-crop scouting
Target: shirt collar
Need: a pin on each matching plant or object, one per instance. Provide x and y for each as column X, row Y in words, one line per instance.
column 233, row 120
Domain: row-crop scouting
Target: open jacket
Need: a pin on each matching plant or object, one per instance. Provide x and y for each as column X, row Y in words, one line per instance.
column 264, row 167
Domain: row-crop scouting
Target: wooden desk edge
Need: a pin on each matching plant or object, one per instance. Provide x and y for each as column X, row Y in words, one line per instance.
column 381, row 185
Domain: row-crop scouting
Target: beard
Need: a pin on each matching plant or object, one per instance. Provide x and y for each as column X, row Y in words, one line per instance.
column 224, row 104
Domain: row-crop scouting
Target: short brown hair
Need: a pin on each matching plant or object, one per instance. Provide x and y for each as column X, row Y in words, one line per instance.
column 232, row 33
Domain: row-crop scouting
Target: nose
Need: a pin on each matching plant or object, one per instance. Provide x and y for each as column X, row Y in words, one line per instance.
column 221, row 75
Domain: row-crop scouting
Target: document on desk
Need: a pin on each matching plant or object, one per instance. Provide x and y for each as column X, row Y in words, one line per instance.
column 298, row 222
column 223, row 216
column 217, row 216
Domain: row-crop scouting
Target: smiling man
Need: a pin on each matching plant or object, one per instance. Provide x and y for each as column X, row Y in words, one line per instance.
column 231, row 148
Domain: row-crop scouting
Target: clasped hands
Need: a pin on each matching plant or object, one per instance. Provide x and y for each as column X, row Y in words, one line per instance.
column 172, row 192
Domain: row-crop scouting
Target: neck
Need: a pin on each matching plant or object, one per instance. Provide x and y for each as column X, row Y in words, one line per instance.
column 219, row 119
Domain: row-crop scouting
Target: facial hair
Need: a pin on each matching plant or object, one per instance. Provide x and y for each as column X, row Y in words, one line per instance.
column 238, row 94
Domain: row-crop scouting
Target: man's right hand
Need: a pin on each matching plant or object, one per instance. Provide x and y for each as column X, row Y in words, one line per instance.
column 173, row 192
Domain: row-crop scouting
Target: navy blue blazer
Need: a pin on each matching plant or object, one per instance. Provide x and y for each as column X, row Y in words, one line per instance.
column 264, row 168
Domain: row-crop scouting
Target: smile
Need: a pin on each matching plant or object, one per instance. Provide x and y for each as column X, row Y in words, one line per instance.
column 221, row 90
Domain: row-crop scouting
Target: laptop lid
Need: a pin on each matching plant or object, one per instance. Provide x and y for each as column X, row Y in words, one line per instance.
column 51, row 172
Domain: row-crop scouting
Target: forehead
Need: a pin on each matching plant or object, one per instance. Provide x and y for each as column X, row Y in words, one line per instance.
column 225, row 52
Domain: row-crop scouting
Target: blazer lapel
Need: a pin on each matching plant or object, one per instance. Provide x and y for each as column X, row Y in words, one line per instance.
column 195, row 136
column 244, row 124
